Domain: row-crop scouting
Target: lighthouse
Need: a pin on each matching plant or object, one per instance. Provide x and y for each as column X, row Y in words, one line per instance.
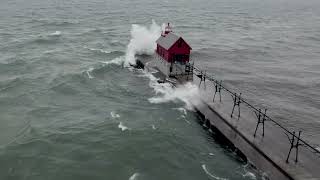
column 173, row 56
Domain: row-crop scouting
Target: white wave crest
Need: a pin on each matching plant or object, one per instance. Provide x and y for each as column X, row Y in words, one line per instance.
column 57, row 33
column 100, row 50
column 114, row 115
column 181, row 109
column 211, row 175
column 250, row 175
column 134, row 176
column 89, row 72
column 122, row 127
column 117, row 61
column 143, row 41
column 153, row 127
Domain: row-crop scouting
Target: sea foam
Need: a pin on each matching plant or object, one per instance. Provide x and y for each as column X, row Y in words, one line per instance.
column 187, row 93
column 211, row 175
column 166, row 92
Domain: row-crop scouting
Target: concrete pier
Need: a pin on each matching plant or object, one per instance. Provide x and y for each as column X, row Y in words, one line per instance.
column 269, row 152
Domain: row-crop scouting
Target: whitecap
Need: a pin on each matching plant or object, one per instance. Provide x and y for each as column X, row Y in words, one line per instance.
column 250, row 175
column 50, row 51
column 114, row 115
column 57, row 33
column 134, row 176
column 181, row 109
column 117, row 61
column 89, row 72
column 210, row 174
column 100, row 50
column 153, row 127
column 122, row 127
column 211, row 154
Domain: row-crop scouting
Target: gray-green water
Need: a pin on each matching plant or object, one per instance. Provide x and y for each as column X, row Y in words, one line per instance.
column 65, row 114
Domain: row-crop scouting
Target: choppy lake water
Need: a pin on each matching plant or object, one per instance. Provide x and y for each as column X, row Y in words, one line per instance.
column 69, row 110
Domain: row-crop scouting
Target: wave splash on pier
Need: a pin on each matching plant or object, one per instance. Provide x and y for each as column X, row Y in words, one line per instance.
column 143, row 41
column 187, row 93
column 165, row 92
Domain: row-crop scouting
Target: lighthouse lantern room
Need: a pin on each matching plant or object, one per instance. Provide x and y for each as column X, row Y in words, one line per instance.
column 173, row 55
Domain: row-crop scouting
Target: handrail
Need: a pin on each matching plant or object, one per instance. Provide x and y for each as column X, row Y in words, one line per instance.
column 216, row 82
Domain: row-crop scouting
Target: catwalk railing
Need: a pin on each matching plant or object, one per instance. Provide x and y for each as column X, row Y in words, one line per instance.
column 295, row 141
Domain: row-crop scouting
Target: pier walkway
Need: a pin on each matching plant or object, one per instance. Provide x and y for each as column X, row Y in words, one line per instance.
column 267, row 144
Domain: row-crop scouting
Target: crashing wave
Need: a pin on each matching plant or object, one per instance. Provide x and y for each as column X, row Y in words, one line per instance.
column 143, row 41
column 187, row 93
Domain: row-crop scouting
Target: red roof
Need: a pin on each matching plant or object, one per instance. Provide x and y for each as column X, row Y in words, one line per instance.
column 169, row 40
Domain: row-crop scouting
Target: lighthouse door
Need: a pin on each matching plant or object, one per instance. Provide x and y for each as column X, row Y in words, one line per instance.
column 180, row 58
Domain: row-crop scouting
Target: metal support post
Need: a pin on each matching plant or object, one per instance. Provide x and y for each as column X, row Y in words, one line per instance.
column 202, row 78
column 217, row 90
column 261, row 120
column 236, row 102
column 294, row 143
